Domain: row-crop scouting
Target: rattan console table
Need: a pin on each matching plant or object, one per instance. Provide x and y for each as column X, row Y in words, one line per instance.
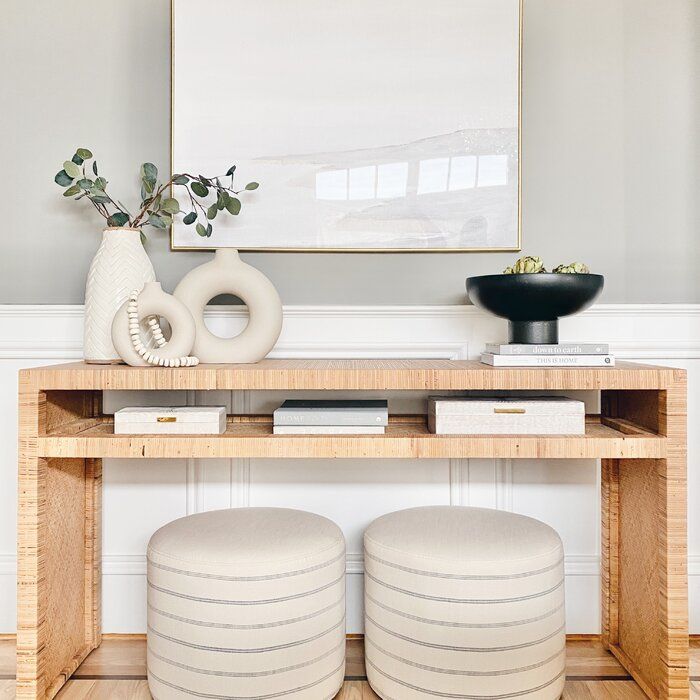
column 640, row 437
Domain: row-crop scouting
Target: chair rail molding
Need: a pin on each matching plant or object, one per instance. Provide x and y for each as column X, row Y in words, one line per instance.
column 41, row 334
column 645, row 331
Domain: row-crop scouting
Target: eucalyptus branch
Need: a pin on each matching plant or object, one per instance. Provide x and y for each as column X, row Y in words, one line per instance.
column 207, row 195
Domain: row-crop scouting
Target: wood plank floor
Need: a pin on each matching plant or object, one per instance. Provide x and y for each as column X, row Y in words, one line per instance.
column 118, row 670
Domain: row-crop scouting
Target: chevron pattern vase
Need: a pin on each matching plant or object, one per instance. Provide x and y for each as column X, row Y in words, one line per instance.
column 119, row 266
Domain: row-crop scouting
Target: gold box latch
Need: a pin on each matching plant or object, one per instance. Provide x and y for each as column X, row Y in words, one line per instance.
column 167, row 419
column 509, row 410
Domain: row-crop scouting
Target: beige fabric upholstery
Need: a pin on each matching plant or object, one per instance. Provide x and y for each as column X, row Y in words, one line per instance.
column 463, row 603
column 246, row 603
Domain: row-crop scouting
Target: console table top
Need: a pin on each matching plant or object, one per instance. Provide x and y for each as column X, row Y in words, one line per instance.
column 383, row 375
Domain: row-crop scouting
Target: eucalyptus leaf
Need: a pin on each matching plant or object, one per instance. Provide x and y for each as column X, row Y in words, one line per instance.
column 231, row 170
column 212, row 211
column 118, row 219
column 220, row 201
column 77, row 159
column 97, row 195
column 156, row 221
column 189, row 218
column 101, row 183
column 70, row 191
column 209, row 230
column 84, row 153
column 233, row 206
column 149, row 185
column 94, row 167
column 180, row 180
column 86, row 184
column 63, row 178
column 149, row 171
column 72, row 169
column 201, row 230
column 199, row 189
column 252, row 186
column 171, row 205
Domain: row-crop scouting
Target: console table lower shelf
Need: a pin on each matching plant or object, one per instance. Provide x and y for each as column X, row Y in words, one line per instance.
column 639, row 437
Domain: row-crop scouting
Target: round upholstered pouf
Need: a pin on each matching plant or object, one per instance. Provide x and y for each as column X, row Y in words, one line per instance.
column 246, row 603
column 463, row 603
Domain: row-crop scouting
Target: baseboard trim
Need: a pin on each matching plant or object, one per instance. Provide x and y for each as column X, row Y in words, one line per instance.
column 141, row 637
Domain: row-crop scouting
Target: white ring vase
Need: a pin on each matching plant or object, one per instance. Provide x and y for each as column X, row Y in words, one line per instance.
column 228, row 274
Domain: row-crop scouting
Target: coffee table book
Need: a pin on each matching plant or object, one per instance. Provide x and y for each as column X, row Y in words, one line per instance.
column 338, row 412
column 328, row 429
column 494, row 360
column 548, row 349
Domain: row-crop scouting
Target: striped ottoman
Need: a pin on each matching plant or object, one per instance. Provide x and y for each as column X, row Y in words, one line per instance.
column 463, row 603
column 246, row 603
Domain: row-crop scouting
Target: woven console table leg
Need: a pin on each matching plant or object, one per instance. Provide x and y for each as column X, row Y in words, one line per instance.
column 644, row 546
column 58, row 559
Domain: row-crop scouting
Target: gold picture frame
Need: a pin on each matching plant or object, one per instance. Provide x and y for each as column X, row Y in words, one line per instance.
column 504, row 249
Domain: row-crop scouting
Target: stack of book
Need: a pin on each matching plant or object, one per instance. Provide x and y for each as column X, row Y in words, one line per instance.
column 560, row 355
column 341, row 417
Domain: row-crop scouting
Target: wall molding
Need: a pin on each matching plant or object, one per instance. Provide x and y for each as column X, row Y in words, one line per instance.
column 135, row 565
column 25, row 325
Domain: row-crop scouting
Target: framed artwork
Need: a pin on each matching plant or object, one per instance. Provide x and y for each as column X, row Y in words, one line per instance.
column 372, row 125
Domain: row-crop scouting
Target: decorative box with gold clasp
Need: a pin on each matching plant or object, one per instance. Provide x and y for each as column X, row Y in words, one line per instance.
column 542, row 415
column 180, row 420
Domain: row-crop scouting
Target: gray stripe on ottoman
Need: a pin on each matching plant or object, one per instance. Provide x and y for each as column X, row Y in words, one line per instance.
column 463, row 603
column 502, row 696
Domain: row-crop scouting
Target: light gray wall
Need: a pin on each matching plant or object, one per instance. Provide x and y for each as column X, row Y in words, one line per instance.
column 611, row 152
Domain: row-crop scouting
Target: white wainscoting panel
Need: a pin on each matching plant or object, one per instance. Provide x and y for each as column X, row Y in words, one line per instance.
column 140, row 496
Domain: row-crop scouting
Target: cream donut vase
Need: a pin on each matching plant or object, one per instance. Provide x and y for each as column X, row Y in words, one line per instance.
column 153, row 301
column 228, row 274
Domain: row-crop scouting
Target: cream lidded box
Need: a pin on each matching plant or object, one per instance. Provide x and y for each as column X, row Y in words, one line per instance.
column 542, row 415
column 181, row 420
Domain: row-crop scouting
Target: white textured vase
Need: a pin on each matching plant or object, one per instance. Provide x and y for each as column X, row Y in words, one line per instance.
column 119, row 267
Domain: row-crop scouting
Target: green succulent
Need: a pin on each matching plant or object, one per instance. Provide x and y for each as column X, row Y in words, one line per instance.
column 574, row 268
column 157, row 208
column 528, row 264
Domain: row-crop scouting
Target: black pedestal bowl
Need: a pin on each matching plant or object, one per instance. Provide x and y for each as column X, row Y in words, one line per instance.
column 534, row 303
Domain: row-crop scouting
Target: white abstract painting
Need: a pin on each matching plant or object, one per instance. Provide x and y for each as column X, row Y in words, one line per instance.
column 370, row 125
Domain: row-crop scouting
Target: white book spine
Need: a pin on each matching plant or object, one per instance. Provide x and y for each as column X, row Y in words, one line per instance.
column 328, row 430
column 332, row 417
column 548, row 349
column 548, row 360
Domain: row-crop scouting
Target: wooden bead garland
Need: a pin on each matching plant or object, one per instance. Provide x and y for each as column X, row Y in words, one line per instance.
column 132, row 311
